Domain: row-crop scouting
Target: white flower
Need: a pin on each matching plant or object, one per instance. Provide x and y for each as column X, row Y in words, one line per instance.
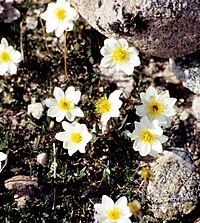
column 36, row 109
column 148, row 137
column 118, row 56
column 109, row 107
column 3, row 157
column 110, row 212
column 64, row 104
column 8, row 58
column 156, row 106
column 59, row 16
column 75, row 137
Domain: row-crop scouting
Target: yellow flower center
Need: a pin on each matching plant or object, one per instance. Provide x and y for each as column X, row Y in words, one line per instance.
column 76, row 137
column 114, row 214
column 103, row 106
column 120, row 55
column 60, row 14
column 147, row 136
column 155, row 107
column 5, row 57
column 65, row 105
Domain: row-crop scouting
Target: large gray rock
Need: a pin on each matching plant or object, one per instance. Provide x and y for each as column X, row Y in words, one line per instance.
column 164, row 28
column 175, row 187
column 187, row 70
column 196, row 107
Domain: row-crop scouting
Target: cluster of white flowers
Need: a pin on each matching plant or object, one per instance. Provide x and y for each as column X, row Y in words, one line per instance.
column 155, row 112
column 76, row 136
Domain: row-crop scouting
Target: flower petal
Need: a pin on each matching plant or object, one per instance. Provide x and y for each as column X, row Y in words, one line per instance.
column 72, row 151
column 51, row 26
column 61, row 136
column 106, row 61
column 12, row 68
column 3, row 156
column 4, row 43
column 111, row 43
column 16, row 56
column 68, row 127
column 162, row 138
column 151, row 92
column 51, row 102
column 77, row 112
column 123, row 43
column 115, row 95
column 106, row 51
column 140, row 110
column 3, row 68
column 127, row 68
column 135, row 60
column 53, row 111
column 58, row 93
column 107, row 201
column 157, row 146
column 73, row 95
column 145, row 149
column 122, row 201
column 60, row 117
column 70, row 116
column 59, row 31
column 133, row 51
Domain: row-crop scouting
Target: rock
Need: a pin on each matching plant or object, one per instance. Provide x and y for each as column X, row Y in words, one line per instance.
column 187, row 70
column 23, row 187
column 42, row 158
column 175, row 188
column 196, row 107
column 36, row 110
column 164, row 28
column 8, row 13
column 198, row 220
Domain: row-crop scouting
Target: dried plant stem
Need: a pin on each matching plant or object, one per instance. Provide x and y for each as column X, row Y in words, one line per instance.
column 21, row 39
column 54, row 160
column 54, row 175
column 65, row 54
column 44, row 35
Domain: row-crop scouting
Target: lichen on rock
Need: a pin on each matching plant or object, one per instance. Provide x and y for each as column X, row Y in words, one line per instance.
column 187, row 70
column 175, row 188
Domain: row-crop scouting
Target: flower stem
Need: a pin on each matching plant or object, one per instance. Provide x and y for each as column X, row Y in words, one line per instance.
column 44, row 35
column 65, row 54
column 54, row 175
column 21, row 39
